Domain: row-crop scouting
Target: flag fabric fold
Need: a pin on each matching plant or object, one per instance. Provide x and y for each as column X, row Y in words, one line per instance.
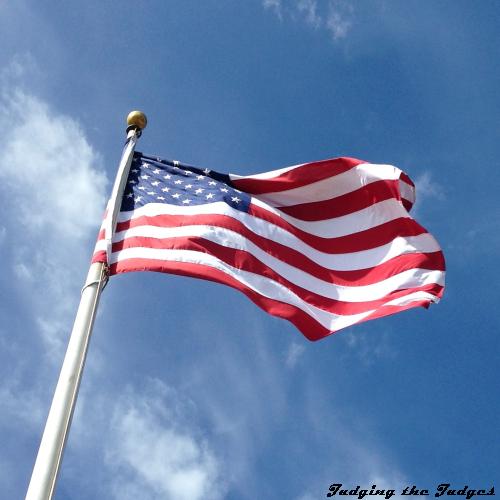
column 325, row 244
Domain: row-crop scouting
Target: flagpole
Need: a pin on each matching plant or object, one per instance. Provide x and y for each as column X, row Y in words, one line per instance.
column 48, row 460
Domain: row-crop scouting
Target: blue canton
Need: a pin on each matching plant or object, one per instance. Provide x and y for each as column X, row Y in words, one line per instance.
column 152, row 180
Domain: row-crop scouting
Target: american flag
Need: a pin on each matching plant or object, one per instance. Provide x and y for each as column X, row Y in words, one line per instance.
column 325, row 244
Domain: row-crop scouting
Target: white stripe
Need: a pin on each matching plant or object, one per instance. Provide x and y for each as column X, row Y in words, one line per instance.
column 361, row 293
column 262, row 285
column 372, row 216
column 265, row 175
column 366, row 259
column 152, row 209
column 423, row 243
column 332, row 187
column 413, row 297
column 407, row 191
column 345, row 225
column 411, row 278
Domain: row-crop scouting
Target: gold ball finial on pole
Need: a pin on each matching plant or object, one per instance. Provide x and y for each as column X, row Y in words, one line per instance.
column 137, row 119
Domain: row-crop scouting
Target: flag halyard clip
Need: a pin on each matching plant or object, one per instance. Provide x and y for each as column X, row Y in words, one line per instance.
column 97, row 279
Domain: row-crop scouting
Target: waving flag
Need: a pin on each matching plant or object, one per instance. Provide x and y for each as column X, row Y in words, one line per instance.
column 325, row 245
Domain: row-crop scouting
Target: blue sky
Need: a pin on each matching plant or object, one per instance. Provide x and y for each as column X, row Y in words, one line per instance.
column 190, row 391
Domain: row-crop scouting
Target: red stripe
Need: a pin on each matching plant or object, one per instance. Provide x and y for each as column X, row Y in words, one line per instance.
column 363, row 240
column 99, row 256
column 407, row 204
column 240, row 259
column 297, row 177
column 390, row 310
column 345, row 204
column 356, row 242
column 404, row 177
column 310, row 328
column 305, row 323
column 366, row 276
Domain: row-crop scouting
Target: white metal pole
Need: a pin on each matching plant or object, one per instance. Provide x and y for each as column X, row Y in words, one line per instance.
column 48, row 460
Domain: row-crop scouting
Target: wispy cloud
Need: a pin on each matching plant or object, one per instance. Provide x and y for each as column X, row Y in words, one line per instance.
column 308, row 9
column 20, row 404
column 295, row 351
column 333, row 16
column 426, row 188
column 275, row 6
column 155, row 453
column 339, row 19
column 53, row 186
column 370, row 347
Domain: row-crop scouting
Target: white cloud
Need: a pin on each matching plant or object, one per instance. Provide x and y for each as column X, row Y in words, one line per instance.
column 293, row 354
column 21, row 66
column 239, row 385
column 334, row 16
column 309, row 9
column 274, row 5
column 53, row 192
column 24, row 404
column 53, row 187
column 155, row 453
column 21, row 402
column 338, row 21
column 426, row 189
column 23, row 272
column 370, row 347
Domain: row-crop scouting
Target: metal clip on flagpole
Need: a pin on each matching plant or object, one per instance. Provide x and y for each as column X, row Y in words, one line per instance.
column 48, row 460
